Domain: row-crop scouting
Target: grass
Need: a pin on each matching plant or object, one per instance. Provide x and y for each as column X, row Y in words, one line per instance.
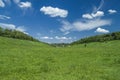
column 26, row 60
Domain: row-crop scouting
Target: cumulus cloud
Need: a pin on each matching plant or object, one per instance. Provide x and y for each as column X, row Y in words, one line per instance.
column 13, row 27
column 93, row 15
column 100, row 30
column 54, row 12
column 87, row 16
column 3, row 17
column 25, row 4
column 98, row 14
column 112, row 11
column 83, row 25
column 2, row 4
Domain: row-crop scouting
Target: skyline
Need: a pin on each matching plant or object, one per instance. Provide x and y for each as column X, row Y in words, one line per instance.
column 60, row 21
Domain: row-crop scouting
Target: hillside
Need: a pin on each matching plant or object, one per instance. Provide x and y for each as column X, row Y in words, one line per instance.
column 99, row 38
column 27, row 60
column 15, row 34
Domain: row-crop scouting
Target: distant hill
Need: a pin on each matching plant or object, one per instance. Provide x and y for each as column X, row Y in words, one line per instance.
column 15, row 34
column 99, row 38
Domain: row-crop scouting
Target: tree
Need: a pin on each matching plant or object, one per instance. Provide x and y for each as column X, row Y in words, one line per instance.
column 15, row 34
column 1, row 31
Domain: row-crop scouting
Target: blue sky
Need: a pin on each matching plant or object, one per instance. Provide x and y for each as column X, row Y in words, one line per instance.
column 56, row 21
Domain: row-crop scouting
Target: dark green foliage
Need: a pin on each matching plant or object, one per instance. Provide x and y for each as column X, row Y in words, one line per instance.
column 60, row 44
column 15, row 34
column 100, row 38
column 1, row 31
column 116, row 35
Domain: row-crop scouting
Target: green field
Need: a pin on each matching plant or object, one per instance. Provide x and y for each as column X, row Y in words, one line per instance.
column 27, row 60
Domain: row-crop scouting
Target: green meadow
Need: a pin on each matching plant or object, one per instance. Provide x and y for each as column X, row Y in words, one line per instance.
column 27, row 60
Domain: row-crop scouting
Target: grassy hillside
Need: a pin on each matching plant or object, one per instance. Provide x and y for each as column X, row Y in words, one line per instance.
column 99, row 38
column 4, row 32
column 27, row 60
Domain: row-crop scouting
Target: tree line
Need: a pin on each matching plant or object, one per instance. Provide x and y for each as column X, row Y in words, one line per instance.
column 15, row 34
column 99, row 38
column 59, row 44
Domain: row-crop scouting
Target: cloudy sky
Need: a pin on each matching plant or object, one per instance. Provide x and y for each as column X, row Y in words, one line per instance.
column 55, row 21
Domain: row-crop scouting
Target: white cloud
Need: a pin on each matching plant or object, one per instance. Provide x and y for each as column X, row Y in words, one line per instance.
column 13, row 27
column 2, row 4
column 98, row 14
column 3, row 17
column 66, row 33
column 21, row 28
column 87, row 16
column 99, row 7
column 83, row 25
column 8, row 26
column 93, row 15
column 56, row 37
column 54, row 12
column 16, row 1
column 66, row 27
column 62, row 38
column 46, row 37
column 25, row 4
column 100, row 30
column 112, row 11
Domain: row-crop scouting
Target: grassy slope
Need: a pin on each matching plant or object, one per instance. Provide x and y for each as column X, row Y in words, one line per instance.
column 26, row 60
